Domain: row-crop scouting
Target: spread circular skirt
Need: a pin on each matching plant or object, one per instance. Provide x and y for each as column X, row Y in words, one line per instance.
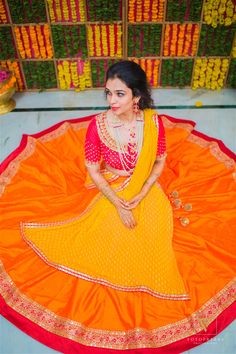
column 82, row 289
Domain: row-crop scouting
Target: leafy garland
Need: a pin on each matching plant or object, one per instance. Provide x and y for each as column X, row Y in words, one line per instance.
column 104, row 10
column 144, row 40
column 69, row 41
column 176, row 72
column 7, row 47
column 27, row 11
column 98, row 70
column 216, row 41
column 184, row 10
column 231, row 80
column 40, row 74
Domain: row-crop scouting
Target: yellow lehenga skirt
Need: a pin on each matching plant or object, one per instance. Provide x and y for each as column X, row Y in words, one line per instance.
column 73, row 277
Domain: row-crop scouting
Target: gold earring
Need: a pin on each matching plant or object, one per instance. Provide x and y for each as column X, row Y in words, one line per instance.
column 135, row 107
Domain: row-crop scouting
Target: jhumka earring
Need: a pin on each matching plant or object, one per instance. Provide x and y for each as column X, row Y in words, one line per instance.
column 136, row 107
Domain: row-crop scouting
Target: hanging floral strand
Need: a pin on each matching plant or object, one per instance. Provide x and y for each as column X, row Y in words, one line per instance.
column 66, row 10
column 181, row 40
column 151, row 67
column 3, row 12
column 74, row 74
column 33, row 41
column 210, row 73
column 221, row 12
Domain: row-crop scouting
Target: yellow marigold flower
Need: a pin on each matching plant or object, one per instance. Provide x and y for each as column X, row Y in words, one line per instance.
column 198, row 103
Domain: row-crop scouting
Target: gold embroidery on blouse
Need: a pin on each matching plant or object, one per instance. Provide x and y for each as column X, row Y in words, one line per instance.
column 104, row 134
column 105, row 137
column 128, row 339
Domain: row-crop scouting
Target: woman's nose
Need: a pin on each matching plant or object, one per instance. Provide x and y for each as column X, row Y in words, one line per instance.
column 112, row 99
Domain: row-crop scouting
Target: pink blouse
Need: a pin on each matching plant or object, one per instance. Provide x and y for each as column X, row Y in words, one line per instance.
column 99, row 145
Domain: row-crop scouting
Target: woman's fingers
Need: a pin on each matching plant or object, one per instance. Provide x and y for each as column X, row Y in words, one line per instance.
column 127, row 218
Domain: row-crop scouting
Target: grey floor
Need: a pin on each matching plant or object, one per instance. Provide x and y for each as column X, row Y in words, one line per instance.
column 217, row 118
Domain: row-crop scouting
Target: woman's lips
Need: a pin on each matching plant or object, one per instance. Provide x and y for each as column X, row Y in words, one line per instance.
column 114, row 108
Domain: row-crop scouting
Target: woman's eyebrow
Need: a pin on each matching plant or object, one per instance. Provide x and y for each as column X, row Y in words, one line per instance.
column 107, row 90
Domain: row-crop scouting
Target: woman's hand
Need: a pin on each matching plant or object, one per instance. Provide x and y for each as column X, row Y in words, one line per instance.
column 132, row 203
column 127, row 217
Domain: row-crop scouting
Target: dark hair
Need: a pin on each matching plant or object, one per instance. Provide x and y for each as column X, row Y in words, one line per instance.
column 135, row 78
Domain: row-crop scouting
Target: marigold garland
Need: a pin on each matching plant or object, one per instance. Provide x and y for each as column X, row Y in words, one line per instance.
column 210, row 73
column 33, row 41
column 220, row 12
column 3, row 12
column 151, row 67
column 66, row 10
column 146, row 11
column 101, row 44
column 74, row 74
column 105, row 40
column 181, row 40
column 15, row 68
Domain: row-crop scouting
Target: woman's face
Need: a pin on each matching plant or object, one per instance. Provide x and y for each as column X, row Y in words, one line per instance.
column 120, row 98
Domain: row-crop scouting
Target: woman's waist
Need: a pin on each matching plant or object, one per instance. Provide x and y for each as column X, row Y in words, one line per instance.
column 117, row 171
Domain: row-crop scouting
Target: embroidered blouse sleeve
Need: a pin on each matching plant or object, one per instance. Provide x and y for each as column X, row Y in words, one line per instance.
column 161, row 142
column 92, row 145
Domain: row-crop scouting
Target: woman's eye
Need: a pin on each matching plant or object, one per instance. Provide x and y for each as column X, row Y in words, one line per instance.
column 120, row 94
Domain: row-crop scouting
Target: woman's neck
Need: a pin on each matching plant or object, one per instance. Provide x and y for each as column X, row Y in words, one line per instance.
column 126, row 118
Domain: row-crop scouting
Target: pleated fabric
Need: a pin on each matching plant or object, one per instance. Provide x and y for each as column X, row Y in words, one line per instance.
column 43, row 181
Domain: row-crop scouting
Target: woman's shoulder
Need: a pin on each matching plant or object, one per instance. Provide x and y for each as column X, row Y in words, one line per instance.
column 154, row 115
column 97, row 121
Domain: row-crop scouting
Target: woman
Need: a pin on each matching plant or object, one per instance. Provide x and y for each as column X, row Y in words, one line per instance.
column 108, row 271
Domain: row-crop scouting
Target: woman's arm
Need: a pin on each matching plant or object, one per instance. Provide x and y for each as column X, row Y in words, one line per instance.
column 104, row 187
column 154, row 175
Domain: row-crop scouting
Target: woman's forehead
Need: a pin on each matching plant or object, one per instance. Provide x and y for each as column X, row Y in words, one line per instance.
column 116, row 85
